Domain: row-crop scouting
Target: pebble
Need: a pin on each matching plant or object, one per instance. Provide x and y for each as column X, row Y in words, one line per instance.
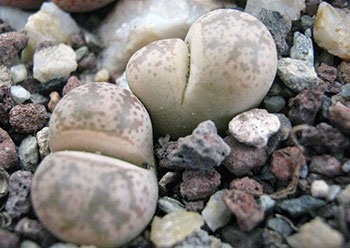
column 346, row 166
column 5, row 27
column 279, row 27
column 5, row 76
column 288, row 9
column 254, row 127
column 152, row 20
column 316, row 234
column 296, row 74
column 28, row 153
column 53, row 62
column 77, row 40
column 56, row 84
column 15, row 17
column 174, row 227
column 169, row 205
column 333, row 192
column 28, row 118
column 199, row 239
column 243, row 158
column 29, row 244
column 63, row 245
column 345, row 92
column 331, row 30
column 11, row 44
column 302, row 205
column 237, row 238
column 6, row 104
column 81, row 5
column 272, row 239
column 25, row 4
column 203, row 149
column 281, row 135
column 199, row 184
column 248, row 185
column 9, row 239
column 325, row 165
column 72, row 83
column 215, row 213
column 19, row 202
column 285, row 160
column 49, row 24
column 339, row 116
column 102, row 76
column 319, row 188
column 54, row 99
column 42, row 138
column 19, row 73
column 81, row 52
column 244, row 207
column 344, row 72
column 307, row 22
column 274, row 104
column 39, row 99
column 8, row 152
column 195, row 206
column 280, row 225
column 326, row 72
column 88, row 62
column 162, row 155
column 305, row 106
column 19, row 94
column 344, row 196
column 167, row 179
column 266, row 203
column 302, row 48
column 323, row 138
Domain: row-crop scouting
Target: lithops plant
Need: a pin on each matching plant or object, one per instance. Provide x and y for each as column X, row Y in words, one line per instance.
column 94, row 189
column 225, row 66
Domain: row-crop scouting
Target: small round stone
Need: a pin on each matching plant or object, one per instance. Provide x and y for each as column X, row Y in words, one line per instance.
column 81, row 5
column 319, row 188
column 19, row 94
column 8, row 152
column 19, row 73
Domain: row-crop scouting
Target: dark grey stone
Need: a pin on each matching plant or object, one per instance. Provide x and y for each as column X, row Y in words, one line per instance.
column 280, row 225
column 302, row 205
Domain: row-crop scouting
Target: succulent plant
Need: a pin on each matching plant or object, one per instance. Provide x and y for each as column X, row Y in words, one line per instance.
column 225, row 66
column 94, row 188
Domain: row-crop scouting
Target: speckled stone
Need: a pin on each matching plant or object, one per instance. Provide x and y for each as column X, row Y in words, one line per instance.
column 344, row 72
column 304, row 107
column 285, row 160
column 6, row 103
column 19, row 202
column 302, row 205
column 162, row 155
column 326, row 72
column 28, row 153
column 203, row 149
column 42, row 138
column 8, row 152
column 198, row 184
column 248, row 185
column 243, row 158
column 200, row 239
column 326, row 165
column 316, row 234
column 254, row 127
column 5, row 76
column 302, row 48
column 244, row 207
column 11, row 44
column 28, row 118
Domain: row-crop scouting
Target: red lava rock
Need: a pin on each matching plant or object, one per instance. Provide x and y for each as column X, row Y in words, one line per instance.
column 195, row 206
column 11, row 43
column 6, row 103
column 28, row 118
column 324, row 139
column 8, row 239
column 88, row 62
column 24, row 4
column 163, row 152
column 326, row 72
column 339, row 116
column 4, row 27
column 72, row 83
column 77, row 40
column 284, row 161
column 248, row 185
column 243, row 158
column 199, row 184
column 326, row 165
column 344, row 72
column 81, row 5
column 304, row 107
column 8, row 153
column 19, row 202
column 244, row 207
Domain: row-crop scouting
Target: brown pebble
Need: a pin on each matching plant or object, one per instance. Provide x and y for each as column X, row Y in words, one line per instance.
column 31, row 84
column 244, row 207
column 54, row 99
column 326, row 165
column 11, row 43
column 5, row 27
column 8, row 239
column 339, row 116
column 344, row 72
column 28, row 118
column 6, row 103
column 199, row 184
column 72, row 83
column 8, row 152
column 326, row 72
column 163, row 152
column 195, row 206
column 243, row 158
column 167, row 179
column 248, row 185
column 77, row 40
column 88, row 62
column 304, row 107
column 284, row 161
